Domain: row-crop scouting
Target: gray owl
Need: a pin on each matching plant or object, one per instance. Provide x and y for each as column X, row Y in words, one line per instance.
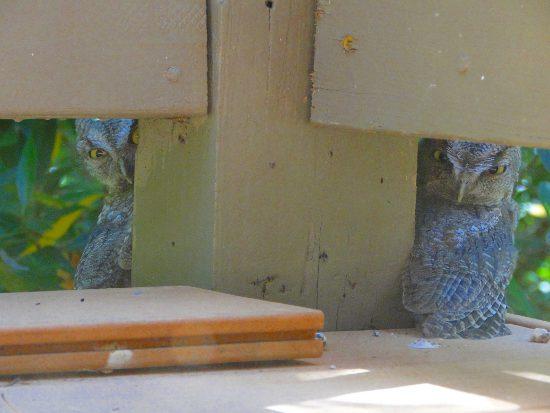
column 107, row 148
column 463, row 255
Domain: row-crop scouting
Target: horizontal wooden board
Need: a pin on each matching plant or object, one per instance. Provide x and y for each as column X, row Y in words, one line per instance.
column 142, row 313
column 528, row 322
column 358, row 372
column 128, row 58
column 476, row 70
column 123, row 344
column 158, row 357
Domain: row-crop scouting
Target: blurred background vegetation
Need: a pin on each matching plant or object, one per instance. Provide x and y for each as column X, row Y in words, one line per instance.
column 48, row 206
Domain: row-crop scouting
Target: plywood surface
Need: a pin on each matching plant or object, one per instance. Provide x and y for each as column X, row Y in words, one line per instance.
column 127, row 58
column 141, row 313
column 358, row 372
column 469, row 69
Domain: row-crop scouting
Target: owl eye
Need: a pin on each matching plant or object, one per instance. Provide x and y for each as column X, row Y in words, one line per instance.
column 439, row 156
column 97, row 153
column 498, row 170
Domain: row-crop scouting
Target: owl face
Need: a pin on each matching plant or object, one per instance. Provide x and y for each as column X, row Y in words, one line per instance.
column 108, row 149
column 467, row 173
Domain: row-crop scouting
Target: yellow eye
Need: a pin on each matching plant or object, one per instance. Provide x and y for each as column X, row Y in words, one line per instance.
column 97, row 153
column 438, row 155
column 134, row 137
column 498, row 170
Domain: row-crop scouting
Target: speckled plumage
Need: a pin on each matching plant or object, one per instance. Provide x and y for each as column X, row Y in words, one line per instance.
column 107, row 258
column 463, row 255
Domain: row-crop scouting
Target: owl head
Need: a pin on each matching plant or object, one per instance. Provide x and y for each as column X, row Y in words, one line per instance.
column 108, row 149
column 466, row 172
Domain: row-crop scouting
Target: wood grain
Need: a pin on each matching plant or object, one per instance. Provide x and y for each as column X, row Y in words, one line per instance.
column 158, row 357
column 129, row 58
column 470, row 70
column 257, row 201
column 144, row 313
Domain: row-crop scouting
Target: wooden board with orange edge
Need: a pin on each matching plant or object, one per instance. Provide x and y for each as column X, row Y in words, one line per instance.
column 358, row 372
column 62, row 331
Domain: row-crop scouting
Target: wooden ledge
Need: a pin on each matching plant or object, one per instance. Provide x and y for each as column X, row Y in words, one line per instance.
column 358, row 372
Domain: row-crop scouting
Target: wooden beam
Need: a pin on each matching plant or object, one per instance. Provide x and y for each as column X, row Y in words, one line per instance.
column 470, row 70
column 174, row 203
column 129, row 58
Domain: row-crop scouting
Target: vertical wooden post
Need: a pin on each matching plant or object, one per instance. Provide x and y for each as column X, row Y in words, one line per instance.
column 282, row 209
column 174, row 203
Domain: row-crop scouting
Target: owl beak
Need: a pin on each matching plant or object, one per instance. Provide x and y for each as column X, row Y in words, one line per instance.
column 465, row 181
column 462, row 191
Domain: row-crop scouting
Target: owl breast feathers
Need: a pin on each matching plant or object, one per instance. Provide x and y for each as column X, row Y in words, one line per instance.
column 463, row 255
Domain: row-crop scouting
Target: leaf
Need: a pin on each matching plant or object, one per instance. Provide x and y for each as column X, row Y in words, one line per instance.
column 66, row 279
column 89, row 200
column 544, row 157
column 8, row 138
column 519, row 300
column 43, row 133
column 12, row 282
column 7, row 177
column 55, row 232
column 56, row 147
column 544, row 192
column 25, row 178
column 49, row 201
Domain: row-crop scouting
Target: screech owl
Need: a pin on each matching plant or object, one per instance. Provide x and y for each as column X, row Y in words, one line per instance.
column 108, row 148
column 463, row 255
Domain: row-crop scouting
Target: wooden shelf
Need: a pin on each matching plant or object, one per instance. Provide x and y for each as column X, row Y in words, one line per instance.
column 357, row 373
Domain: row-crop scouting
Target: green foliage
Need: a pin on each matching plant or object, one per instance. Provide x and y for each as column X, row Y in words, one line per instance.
column 47, row 207
column 529, row 292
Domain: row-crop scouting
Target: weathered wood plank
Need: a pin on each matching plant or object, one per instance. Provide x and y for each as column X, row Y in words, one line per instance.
column 127, row 58
column 174, row 203
column 307, row 215
column 469, row 69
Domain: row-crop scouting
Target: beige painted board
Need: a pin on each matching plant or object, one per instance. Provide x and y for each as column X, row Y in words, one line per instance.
column 308, row 215
column 129, row 58
column 358, row 373
column 289, row 212
column 476, row 70
column 174, row 203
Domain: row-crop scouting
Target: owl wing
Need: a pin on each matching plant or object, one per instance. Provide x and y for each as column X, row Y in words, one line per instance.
column 99, row 265
column 125, row 253
column 457, row 274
